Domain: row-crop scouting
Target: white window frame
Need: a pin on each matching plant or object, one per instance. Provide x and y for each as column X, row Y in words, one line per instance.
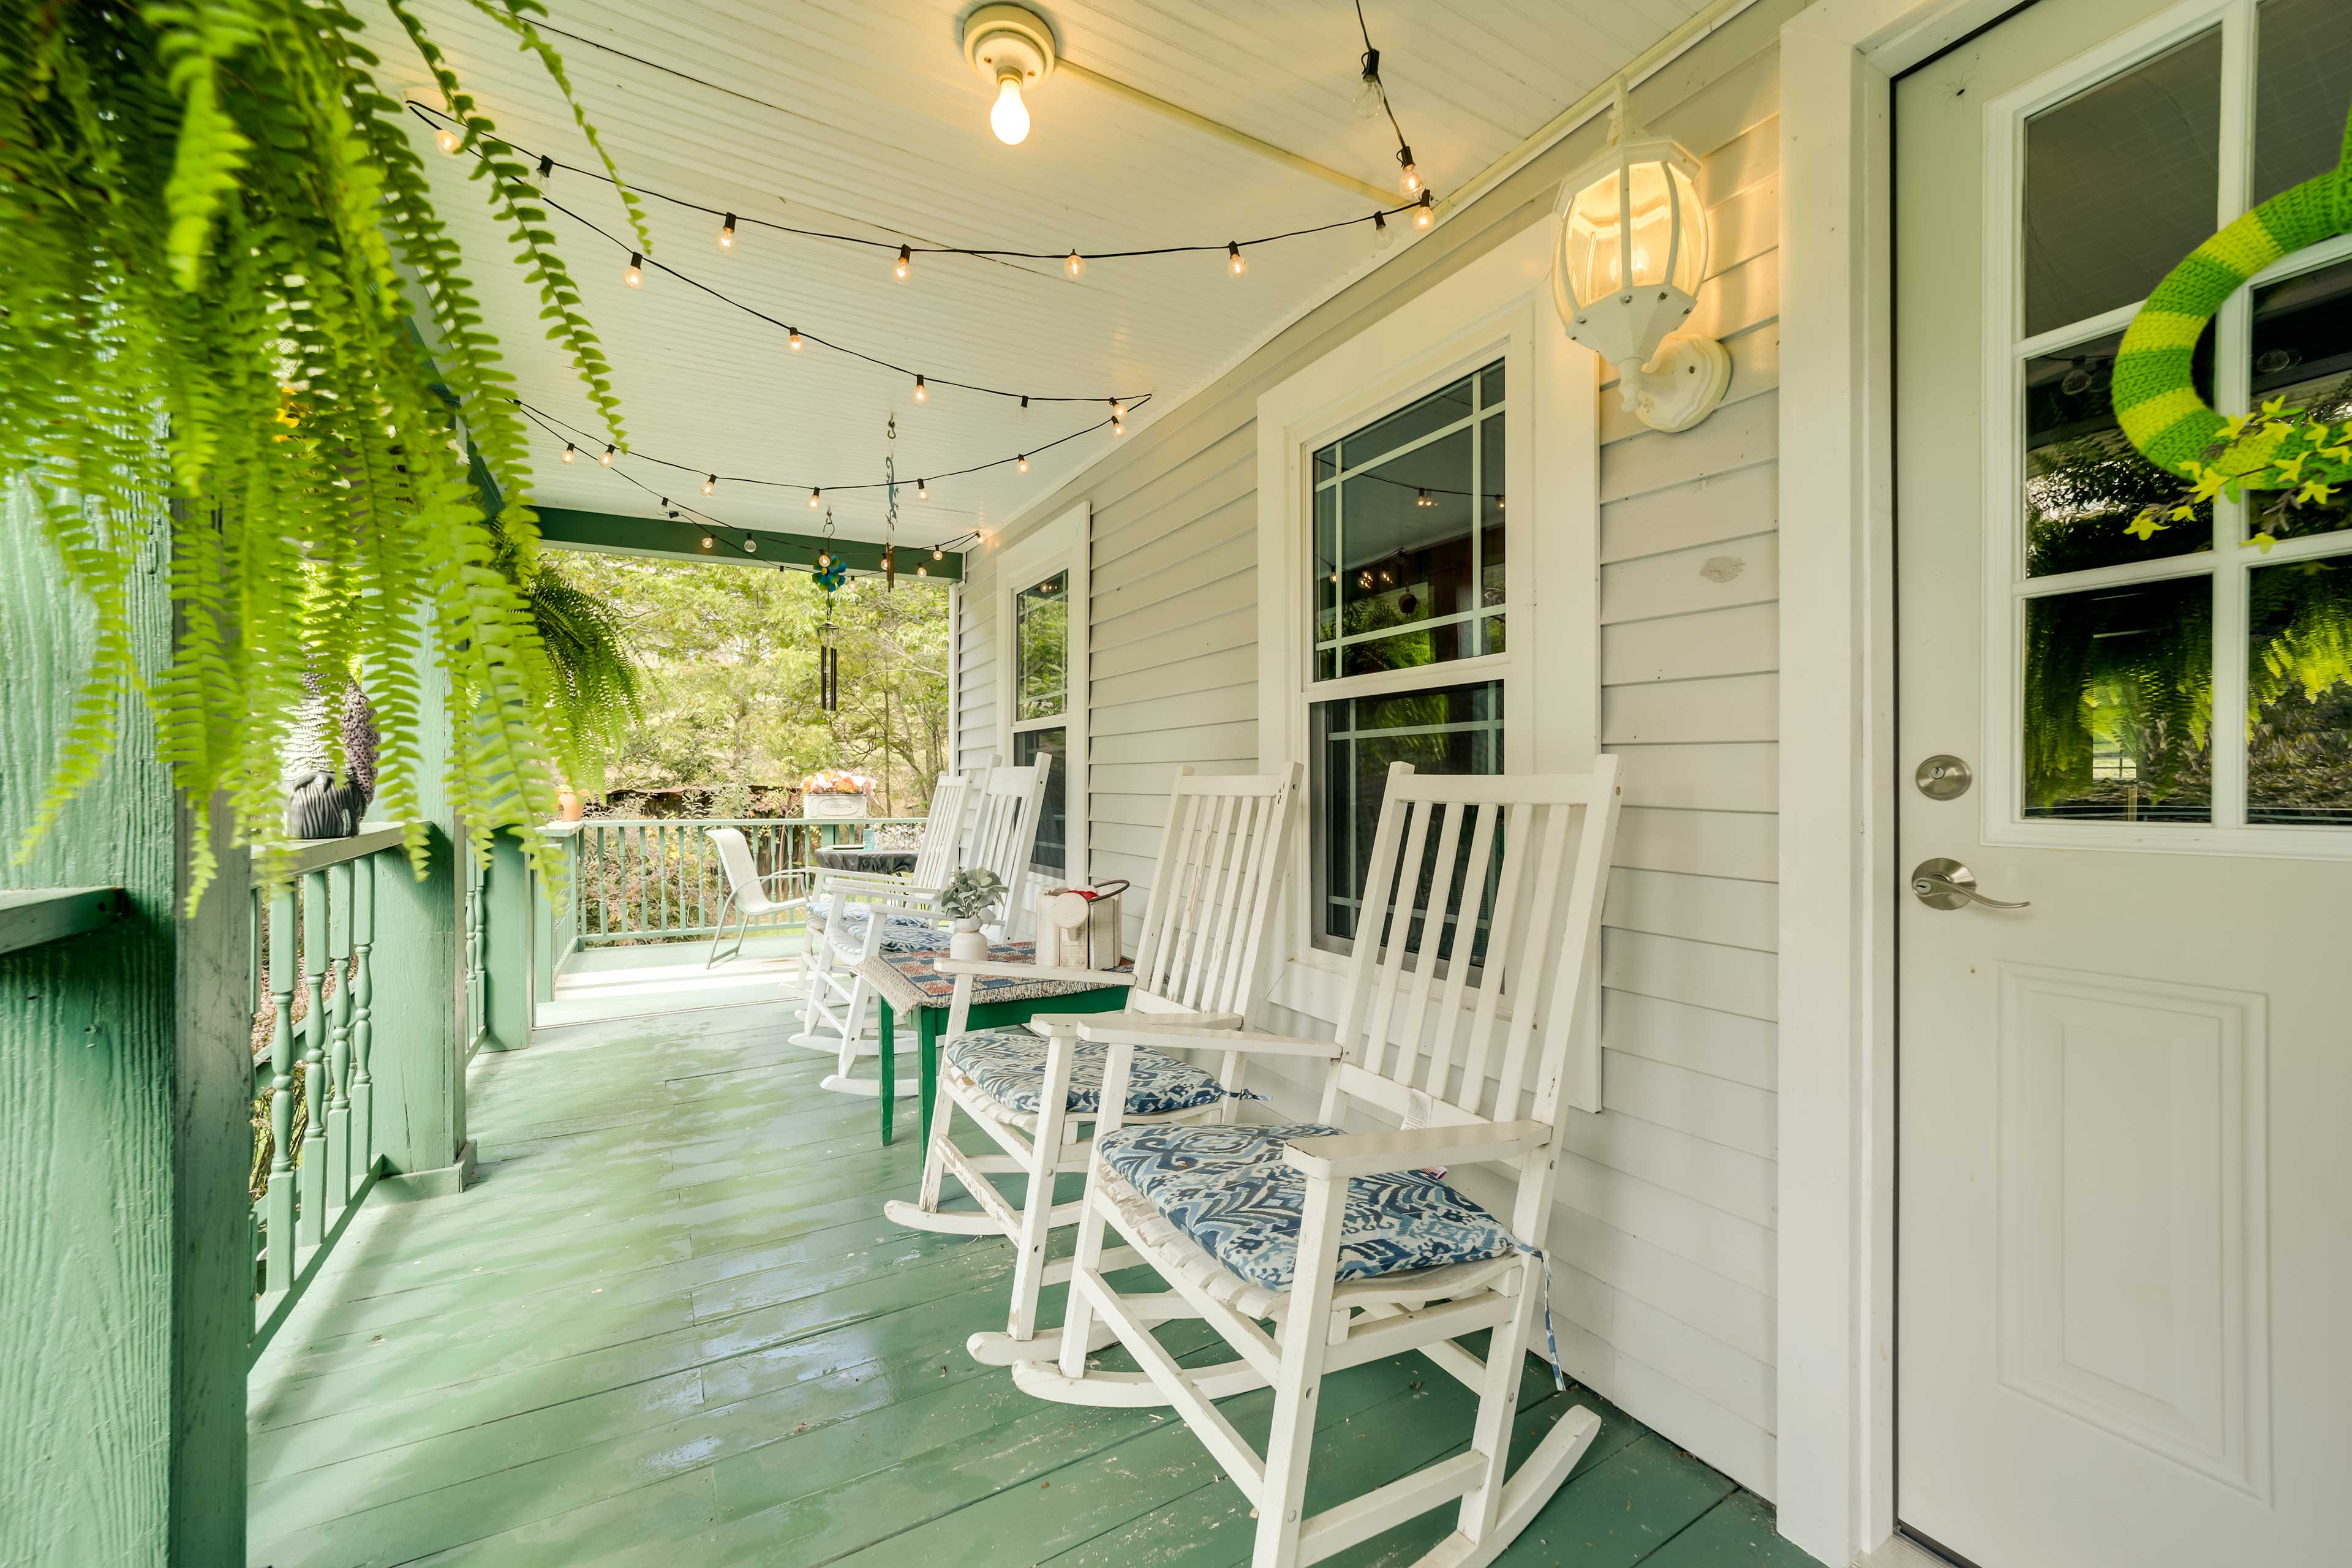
column 2227, row 565
column 1058, row 545
column 1497, row 306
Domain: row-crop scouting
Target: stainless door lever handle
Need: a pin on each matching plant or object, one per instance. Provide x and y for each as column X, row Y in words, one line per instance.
column 1942, row 884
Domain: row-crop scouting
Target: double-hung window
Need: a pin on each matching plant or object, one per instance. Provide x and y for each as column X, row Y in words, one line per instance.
column 1408, row 619
column 1041, row 691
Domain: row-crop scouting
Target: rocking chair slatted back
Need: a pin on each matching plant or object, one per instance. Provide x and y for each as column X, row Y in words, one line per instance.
column 1220, row 860
column 937, row 857
column 1469, row 987
column 1004, row 835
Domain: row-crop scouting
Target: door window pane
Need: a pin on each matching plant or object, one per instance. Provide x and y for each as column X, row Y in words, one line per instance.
column 2121, row 181
column 2118, row 703
column 2299, row 693
column 1052, row 854
column 2084, row 484
column 1449, row 730
column 2303, row 351
column 1041, row 649
column 2303, row 57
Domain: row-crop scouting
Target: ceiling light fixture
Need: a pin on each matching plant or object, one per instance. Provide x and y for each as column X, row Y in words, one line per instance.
column 1011, row 47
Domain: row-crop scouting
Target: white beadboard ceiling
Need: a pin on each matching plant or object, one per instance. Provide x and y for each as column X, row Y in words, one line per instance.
column 864, row 119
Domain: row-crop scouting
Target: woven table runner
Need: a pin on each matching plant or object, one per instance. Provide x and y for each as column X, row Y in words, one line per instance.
column 911, row 980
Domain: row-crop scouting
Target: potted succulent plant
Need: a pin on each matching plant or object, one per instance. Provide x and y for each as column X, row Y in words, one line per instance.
column 970, row 897
column 836, row 794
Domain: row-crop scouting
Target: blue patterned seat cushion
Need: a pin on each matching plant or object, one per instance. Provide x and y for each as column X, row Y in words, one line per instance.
column 1228, row 1190
column 1009, row 1067
column 901, row 933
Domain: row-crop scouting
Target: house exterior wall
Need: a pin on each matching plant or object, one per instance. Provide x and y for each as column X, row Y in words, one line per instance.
column 1662, row 1241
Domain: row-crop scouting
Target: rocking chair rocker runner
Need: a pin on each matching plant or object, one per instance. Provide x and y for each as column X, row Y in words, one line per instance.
column 1465, row 1021
column 1219, row 867
column 866, row 915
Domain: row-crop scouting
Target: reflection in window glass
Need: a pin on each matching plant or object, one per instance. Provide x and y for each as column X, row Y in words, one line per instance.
column 2119, row 702
column 2299, row 693
column 2303, row 351
column 2084, row 484
column 1409, row 533
column 1051, row 854
column 1450, row 730
column 1041, row 647
column 2121, row 181
column 2303, row 57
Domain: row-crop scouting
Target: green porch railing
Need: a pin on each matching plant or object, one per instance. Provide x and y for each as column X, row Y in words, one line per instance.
column 319, row 927
column 639, row 880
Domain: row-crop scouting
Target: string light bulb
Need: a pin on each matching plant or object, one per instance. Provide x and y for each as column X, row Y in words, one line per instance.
column 571, row 452
column 1234, row 261
column 817, row 498
column 922, row 490
column 1024, row 406
column 1421, row 498
column 608, row 454
column 1383, row 234
column 1021, row 461
column 824, row 558
column 793, row 339
column 1117, row 409
column 1407, row 177
column 709, row 483
column 906, row 262
column 726, row 232
column 1075, row 266
column 636, row 275
column 750, row 547
column 922, row 394
column 1368, row 95
column 705, row 541
column 450, row 141
column 546, row 170
column 1118, row 425
column 1425, row 211
column 937, row 555
column 922, row 571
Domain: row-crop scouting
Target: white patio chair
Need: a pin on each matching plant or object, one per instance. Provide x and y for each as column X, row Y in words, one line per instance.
column 1220, row 870
column 1350, row 1243
column 748, row 898
column 874, row 915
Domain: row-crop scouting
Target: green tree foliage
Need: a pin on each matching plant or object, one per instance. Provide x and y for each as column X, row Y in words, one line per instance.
column 728, row 657
column 217, row 227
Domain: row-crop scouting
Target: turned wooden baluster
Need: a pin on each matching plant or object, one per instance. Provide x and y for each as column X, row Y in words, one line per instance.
column 362, row 985
column 313, row 1166
column 280, row 1222
column 339, row 1038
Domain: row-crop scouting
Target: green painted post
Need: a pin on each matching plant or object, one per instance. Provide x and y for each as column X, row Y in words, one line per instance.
column 507, row 917
column 312, row 1169
column 279, row 1220
column 126, row 1082
column 338, row 1037
column 364, row 1010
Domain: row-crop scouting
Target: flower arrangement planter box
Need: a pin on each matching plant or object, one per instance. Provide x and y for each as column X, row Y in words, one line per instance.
column 834, row 806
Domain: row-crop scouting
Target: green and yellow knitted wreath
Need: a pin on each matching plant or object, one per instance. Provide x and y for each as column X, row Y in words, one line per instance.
column 2152, row 389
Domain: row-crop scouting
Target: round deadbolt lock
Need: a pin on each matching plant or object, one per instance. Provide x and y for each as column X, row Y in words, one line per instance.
column 1943, row 777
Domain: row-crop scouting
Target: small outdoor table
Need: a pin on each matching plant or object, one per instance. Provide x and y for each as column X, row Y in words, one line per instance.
column 911, row 982
column 855, row 857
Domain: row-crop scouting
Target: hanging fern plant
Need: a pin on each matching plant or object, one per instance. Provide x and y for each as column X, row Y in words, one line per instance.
column 216, row 231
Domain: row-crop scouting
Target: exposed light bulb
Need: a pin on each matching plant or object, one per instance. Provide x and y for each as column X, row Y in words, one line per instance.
column 1425, row 213
column 750, row 547
column 1234, row 260
column 636, row 275
column 1421, row 498
column 1383, row 234
column 1368, row 87
column 709, row 483
column 824, row 558
column 815, row 497
column 1024, row 406
column 705, row 541
column 1009, row 117
column 922, row 571
column 546, row 170
column 570, row 452
column 922, row 490
column 906, row 263
column 922, row 394
column 607, row 456
column 937, row 555
column 1118, row 425
column 1117, row 409
column 793, row 339
column 1407, row 177
column 726, row 232
column 1075, row 266
column 450, row 141
column 1022, row 462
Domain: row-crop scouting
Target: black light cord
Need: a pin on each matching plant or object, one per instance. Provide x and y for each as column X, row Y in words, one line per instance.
column 428, row 112
column 1372, row 69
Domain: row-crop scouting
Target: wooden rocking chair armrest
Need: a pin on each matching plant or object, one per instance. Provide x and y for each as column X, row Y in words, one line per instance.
column 1051, row 1023
column 997, row 969
column 880, row 880
column 1194, row 1034
column 1411, row 1148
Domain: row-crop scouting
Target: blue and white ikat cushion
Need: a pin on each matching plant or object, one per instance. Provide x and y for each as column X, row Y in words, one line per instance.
column 1228, row 1190
column 1009, row 1067
column 901, row 933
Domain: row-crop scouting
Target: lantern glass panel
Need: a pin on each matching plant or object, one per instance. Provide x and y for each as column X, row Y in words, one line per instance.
column 1669, row 233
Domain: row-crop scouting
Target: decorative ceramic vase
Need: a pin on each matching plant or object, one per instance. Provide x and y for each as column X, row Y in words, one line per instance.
column 831, row 806
column 965, row 941
column 319, row 807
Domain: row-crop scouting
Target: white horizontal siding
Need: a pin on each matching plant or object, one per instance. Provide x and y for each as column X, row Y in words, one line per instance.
column 1662, row 1243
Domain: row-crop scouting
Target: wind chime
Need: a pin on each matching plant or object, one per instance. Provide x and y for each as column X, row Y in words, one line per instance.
column 890, row 518
column 830, row 574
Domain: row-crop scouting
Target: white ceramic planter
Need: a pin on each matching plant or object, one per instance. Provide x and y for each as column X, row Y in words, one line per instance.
column 966, row 941
column 835, row 808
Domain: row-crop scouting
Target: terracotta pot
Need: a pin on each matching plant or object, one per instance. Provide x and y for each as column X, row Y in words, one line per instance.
column 569, row 805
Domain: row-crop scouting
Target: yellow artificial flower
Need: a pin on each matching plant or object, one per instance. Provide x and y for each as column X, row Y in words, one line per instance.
column 2262, row 541
column 2184, row 512
column 2145, row 527
column 2274, row 406
column 2209, row 484
column 2315, row 491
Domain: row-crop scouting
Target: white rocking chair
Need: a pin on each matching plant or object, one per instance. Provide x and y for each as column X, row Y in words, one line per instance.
column 1219, row 868
column 874, row 915
column 1350, row 1243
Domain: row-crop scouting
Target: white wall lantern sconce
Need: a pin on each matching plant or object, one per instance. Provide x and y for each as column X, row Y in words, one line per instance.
column 1625, row 273
column 1012, row 47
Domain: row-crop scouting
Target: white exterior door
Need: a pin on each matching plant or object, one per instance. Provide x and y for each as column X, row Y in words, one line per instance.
column 2124, row 1156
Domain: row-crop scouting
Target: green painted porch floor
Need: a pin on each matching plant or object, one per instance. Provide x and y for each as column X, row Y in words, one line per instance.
column 670, row 1326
